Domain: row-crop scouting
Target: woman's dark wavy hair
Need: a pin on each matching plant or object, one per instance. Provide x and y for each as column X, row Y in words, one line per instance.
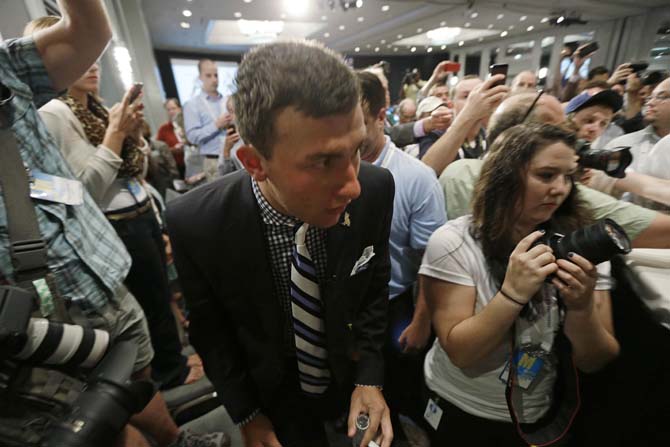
column 501, row 187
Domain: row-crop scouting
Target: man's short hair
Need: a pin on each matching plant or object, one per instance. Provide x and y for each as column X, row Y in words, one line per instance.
column 202, row 62
column 599, row 84
column 452, row 93
column 597, row 71
column 511, row 116
column 304, row 75
column 373, row 95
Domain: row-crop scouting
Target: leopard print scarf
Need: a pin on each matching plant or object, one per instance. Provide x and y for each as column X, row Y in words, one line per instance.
column 95, row 120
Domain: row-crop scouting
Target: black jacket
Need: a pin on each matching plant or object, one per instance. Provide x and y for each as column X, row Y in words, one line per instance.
column 236, row 320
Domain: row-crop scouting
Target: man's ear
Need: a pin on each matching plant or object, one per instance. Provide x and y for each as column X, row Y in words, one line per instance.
column 252, row 161
column 381, row 116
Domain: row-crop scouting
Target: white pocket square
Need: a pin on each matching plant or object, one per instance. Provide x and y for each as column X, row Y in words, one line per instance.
column 364, row 260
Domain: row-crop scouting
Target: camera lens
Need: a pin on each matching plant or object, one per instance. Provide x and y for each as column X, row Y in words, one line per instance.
column 597, row 243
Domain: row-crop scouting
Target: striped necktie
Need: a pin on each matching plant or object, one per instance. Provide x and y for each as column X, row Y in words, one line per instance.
column 308, row 325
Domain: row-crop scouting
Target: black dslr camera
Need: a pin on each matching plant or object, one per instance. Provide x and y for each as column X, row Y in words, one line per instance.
column 612, row 161
column 101, row 411
column 597, row 243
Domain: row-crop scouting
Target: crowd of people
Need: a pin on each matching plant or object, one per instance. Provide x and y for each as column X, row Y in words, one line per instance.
column 337, row 266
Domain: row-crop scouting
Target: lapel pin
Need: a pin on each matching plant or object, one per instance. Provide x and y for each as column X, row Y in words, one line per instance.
column 347, row 220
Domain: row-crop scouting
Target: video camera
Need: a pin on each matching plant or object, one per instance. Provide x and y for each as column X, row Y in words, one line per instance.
column 612, row 161
column 101, row 411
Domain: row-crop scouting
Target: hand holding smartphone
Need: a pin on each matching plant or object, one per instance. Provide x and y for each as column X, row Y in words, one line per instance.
column 135, row 91
column 499, row 69
column 588, row 49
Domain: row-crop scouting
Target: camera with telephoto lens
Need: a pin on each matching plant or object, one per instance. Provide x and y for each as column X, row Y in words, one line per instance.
column 597, row 243
column 611, row 161
column 101, row 411
column 39, row 341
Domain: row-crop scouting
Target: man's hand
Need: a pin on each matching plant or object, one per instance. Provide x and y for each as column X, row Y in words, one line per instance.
column 259, row 433
column 415, row 336
column 225, row 120
column 620, row 74
column 439, row 73
column 439, row 119
column 484, row 99
column 369, row 400
column 232, row 137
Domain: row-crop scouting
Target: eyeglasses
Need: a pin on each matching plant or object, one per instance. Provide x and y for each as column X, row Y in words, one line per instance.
column 663, row 96
column 532, row 106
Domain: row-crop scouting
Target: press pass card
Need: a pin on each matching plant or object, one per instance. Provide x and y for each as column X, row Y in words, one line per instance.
column 527, row 369
column 56, row 189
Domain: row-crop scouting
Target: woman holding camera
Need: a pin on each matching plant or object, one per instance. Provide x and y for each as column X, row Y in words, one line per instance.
column 495, row 289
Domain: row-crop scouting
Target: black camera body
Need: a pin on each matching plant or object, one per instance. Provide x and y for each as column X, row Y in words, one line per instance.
column 597, row 243
column 611, row 161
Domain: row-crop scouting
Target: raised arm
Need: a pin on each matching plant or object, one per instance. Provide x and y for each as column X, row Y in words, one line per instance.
column 652, row 188
column 71, row 46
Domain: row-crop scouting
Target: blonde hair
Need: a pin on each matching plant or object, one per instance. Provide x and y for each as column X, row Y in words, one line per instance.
column 39, row 24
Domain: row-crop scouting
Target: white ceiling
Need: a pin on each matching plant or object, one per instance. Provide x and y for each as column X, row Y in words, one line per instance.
column 370, row 29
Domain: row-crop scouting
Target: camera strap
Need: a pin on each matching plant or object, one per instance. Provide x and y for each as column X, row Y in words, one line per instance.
column 27, row 248
column 566, row 401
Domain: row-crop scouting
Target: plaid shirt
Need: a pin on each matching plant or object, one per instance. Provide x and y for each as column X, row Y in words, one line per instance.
column 280, row 236
column 85, row 255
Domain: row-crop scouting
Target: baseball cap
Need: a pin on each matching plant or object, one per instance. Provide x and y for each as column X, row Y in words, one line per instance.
column 586, row 99
column 428, row 104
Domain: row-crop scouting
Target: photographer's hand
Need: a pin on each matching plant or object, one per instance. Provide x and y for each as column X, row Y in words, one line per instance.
column 528, row 267
column 576, row 280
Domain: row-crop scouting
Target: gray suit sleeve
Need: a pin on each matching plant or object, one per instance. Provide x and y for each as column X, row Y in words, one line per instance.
column 402, row 134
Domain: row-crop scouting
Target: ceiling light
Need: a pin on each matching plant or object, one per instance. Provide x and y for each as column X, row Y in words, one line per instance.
column 248, row 1
column 443, row 23
column 385, row 8
column 511, row 27
column 490, row 26
column 443, row 47
column 357, row 49
column 419, row 30
column 187, row 13
column 399, row 36
column 383, row 41
column 296, row 7
column 185, row 25
column 376, row 49
column 368, row 46
column 544, row 20
column 517, row 57
column 359, row 3
column 522, row 18
column 324, row 18
column 503, row 34
column 261, row 30
column 474, row 15
column 461, row 43
column 530, row 28
column 500, row 16
column 560, row 19
column 360, row 19
column 442, row 35
column 326, row 35
column 412, row 50
column 238, row 15
column 429, row 50
column 467, row 24
column 341, row 27
column 542, row 73
column 395, row 49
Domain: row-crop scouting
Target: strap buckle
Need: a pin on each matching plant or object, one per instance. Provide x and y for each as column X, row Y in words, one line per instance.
column 29, row 259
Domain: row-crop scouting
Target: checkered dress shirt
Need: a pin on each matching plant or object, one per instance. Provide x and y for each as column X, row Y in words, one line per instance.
column 85, row 255
column 279, row 232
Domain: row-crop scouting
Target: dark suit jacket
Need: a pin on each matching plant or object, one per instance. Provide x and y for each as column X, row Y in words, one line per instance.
column 236, row 320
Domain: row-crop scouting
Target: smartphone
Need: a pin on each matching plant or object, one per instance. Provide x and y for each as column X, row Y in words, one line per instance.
column 452, row 67
column 499, row 69
column 135, row 91
column 232, row 126
column 589, row 49
column 638, row 66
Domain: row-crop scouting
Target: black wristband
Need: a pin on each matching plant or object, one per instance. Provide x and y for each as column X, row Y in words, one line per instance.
column 510, row 298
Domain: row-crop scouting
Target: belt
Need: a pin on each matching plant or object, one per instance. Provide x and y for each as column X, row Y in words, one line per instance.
column 130, row 214
column 211, row 156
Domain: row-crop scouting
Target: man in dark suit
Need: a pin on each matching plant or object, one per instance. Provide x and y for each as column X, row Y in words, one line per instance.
column 285, row 265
